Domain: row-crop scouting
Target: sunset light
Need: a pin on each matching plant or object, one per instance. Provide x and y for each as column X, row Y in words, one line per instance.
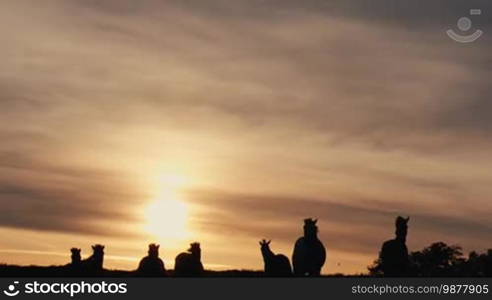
column 167, row 215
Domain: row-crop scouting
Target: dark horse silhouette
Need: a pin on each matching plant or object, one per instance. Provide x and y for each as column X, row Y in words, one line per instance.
column 93, row 265
column 189, row 263
column 309, row 253
column 75, row 257
column 277, row 265
column 152, row 265
column 74, row 268
column 394, row 253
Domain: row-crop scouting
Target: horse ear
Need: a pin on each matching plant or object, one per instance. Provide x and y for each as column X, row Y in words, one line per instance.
column 268, row 243
column 93, row 247
column 315, row 221
column 407, row 219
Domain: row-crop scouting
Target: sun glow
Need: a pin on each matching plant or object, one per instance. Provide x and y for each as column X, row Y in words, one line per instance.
column 167, row 216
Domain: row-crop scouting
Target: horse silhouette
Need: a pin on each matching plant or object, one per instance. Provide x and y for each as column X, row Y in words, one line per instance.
column 277, row 265
column 74, row 268
column 75, row 257
column 394, row 253
column 189, row 263
column 94, row 263
column 152, row 265
column 309, row 253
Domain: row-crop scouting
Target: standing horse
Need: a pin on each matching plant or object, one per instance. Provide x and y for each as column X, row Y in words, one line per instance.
column 309, row 253
column 394, row 253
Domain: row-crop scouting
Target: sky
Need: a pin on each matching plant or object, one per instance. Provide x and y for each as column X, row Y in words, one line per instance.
column 226, row 122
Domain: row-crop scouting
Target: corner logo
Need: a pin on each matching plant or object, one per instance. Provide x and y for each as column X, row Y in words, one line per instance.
column 464, row 24
column 11, row 290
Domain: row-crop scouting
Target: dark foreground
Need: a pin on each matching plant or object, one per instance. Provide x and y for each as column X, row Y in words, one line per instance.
column 62, row 271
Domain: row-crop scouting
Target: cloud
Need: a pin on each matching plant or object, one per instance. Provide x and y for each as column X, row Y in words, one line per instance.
column 60, row 199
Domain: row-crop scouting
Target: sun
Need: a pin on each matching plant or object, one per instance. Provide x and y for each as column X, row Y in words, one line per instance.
column 167, row 215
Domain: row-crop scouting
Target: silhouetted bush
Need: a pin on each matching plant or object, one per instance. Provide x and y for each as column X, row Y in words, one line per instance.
column 442, row 260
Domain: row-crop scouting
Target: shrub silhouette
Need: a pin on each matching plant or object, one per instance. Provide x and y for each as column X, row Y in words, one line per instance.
column 189, row 263
column 152, row 265
column 309, row 253
column 441, row 260
column 277, row 265
column 438, row 259
column 478, row 264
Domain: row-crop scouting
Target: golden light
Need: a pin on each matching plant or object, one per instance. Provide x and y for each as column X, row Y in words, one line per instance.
column 167, row 215
column 172, row 182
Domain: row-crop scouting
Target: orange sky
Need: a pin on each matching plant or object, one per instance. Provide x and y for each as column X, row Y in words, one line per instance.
column 126, row 123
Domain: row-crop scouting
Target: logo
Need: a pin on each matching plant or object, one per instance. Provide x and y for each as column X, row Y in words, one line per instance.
column 11, row 290
column 464, row 24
